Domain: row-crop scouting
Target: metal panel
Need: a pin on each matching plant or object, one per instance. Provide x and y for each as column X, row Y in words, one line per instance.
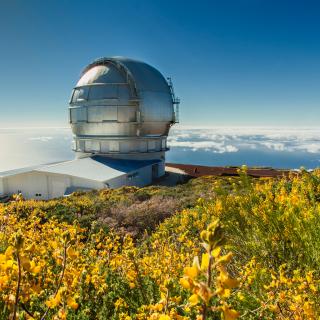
column 99, row 92
column 164, row 144
column 147, row 78
column 126, row 146
column 81, row 145
column 101, row 74
column 78, row 114
column 143, row 146
column 105, row 146
column 126, row 114
column 114, row 146
column 106, row 129
column 92, row 145
column 102, row 113
column 151, row 145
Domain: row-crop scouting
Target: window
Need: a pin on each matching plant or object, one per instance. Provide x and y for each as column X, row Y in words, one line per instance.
column 80, row 94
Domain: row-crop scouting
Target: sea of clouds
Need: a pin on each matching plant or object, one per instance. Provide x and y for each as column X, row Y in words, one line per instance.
column 222, row 139
column 216, row 146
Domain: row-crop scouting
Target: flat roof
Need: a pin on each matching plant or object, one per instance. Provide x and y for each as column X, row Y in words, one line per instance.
column 96, row 168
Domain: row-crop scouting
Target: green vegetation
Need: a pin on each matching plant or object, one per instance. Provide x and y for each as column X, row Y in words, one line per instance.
column 132, row 253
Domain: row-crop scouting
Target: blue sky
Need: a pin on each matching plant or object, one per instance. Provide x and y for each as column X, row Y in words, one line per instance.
column 239, row 63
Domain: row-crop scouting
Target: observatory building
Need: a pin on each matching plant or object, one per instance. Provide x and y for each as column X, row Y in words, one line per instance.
column 120, row 113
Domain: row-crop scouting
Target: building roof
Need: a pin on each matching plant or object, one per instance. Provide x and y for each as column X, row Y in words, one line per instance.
column 19, row 171
column 96, row 168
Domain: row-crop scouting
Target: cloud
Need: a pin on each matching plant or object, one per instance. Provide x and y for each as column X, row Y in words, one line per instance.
column 43, row 139
column 215, row 147
column 234, row 139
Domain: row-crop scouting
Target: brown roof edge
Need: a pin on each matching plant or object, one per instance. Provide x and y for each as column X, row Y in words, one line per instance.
column 198, row 171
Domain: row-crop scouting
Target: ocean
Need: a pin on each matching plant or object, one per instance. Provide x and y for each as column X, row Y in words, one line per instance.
column 289, row 148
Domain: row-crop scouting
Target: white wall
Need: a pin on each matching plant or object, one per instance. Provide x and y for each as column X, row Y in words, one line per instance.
column 57, row 185
column 47, row 184
column 85, row 183
column 29, row 184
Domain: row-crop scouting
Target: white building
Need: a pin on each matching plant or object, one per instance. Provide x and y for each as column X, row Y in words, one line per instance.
column 121, row 111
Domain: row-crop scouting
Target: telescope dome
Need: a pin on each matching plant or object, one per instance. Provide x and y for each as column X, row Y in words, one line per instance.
column 121, row 107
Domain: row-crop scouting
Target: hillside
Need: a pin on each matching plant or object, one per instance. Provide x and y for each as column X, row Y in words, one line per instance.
column 214, row 247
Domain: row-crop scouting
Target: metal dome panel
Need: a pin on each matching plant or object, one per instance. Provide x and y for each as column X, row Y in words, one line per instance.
column 101, row 74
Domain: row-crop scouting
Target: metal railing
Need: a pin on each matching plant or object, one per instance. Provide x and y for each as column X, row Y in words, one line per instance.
column 175, row 101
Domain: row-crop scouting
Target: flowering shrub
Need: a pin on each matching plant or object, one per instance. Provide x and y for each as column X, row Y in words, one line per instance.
column 248, row 248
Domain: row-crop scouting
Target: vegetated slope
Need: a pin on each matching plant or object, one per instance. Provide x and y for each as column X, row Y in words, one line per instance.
column 126, row 210
column 71, row 268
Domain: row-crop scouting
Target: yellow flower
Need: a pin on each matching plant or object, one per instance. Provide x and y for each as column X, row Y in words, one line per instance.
column 228, row 282
column 205, row 261
column 72, row 254
column 71, row 302
column 226, row 258
column 229, row 314
column 54, row 301
column 25, row 262
column 191, row 272
column 216, row 252
column 223, row 292
column 185, row 283
column 194, row 299
column 62, row 314
column 132, row 285
column 205, row 293
column 240, row 296
column 9, row 252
